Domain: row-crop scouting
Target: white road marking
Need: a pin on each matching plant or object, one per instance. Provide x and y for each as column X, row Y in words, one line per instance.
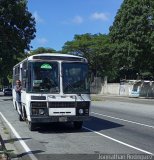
column 115, row 140
column 124, row 120
column 27, row 149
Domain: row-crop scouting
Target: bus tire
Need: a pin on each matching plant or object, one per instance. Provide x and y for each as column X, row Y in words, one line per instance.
column 20, row 117
column 78, row 124
column 24, row 115
column 31, row 126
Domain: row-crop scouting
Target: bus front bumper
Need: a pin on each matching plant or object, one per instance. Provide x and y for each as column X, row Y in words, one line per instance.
column 48, row 119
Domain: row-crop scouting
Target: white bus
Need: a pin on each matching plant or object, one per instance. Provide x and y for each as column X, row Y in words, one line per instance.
column 55, row 88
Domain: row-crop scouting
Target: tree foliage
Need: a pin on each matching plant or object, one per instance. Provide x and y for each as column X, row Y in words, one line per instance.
column 129, row 47
column 42, row 50
column 132, row 36
column 17, row 29
column 96, row 49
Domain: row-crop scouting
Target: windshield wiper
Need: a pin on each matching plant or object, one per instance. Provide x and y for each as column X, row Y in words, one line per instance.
column 74, row 88
column 68, row 85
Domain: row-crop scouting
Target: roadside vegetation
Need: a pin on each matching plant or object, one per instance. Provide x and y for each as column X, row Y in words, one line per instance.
column 126, row 52
column 6, row 154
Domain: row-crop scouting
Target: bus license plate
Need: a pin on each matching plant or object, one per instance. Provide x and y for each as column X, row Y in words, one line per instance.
column 62, row 119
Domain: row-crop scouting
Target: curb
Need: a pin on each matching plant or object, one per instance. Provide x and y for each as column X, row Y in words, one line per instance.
column 120, row 96
column 7, row 148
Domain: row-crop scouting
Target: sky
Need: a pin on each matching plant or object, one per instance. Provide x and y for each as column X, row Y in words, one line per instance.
column 57, row 21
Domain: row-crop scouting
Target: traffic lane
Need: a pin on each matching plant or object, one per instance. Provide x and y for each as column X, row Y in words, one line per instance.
column 65, row 147
column 48, row 139
column 130, row 133
column 51, row 139
column 137, row 136
column 134, row 112
column 63, row 139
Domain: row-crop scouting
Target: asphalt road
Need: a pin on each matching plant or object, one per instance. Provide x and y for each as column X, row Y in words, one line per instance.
column 118, row 128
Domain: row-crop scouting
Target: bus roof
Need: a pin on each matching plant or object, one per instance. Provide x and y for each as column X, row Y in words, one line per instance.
column 54, row 56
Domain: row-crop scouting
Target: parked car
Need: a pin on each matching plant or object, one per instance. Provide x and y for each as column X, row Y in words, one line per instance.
column 7, row 92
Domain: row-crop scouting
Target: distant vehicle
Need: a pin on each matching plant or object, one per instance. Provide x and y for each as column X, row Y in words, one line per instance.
column 7, row 92
column 135, row 88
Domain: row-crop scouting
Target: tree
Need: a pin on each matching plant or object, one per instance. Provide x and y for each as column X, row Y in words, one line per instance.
column 79, row 46
column 17, row 29
column 96, row 49
column 132, row 36
column 42, row 50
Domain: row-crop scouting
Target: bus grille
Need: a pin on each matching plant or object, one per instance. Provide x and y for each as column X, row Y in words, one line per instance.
column 61, row 104
column 83, row 104
column 68, row 104
column 38, row 104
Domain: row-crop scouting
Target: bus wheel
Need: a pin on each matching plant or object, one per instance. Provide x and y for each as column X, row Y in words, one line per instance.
column 20, row 117
column 78, row 124
column 24, row 115
column 31, row 126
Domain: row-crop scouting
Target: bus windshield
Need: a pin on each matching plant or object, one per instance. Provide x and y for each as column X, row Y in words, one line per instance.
column 44, row 77
column 75, row 78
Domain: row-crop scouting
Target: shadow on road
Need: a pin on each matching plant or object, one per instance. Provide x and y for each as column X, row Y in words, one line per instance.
column 57, row 128
column 99, row 124
column 7, row 99
column 12, row 140
column 25, row 155
column 68, row 156
column 94, row 123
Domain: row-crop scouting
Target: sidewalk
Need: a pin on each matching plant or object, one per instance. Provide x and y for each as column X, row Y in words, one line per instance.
column 7, row 148
column 118, row 96
column 103, row 96
column 139, row 100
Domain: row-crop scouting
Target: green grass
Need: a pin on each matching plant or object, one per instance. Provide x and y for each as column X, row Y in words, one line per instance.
column 5, row 130
column 7, row 154
column 4, row 153
column 97, row 99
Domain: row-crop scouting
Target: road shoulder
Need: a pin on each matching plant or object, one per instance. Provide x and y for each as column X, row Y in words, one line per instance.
column 7, row 142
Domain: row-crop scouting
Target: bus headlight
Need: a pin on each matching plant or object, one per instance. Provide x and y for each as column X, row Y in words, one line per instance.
column 41, row 111
column 38, row 111
column 39, row 108
column 35, row 111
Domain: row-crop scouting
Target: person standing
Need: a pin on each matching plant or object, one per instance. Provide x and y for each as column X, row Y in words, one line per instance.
column 18, row 88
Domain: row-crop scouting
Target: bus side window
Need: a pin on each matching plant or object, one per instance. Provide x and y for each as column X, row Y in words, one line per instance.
column 16, row 74
column 24, row 75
